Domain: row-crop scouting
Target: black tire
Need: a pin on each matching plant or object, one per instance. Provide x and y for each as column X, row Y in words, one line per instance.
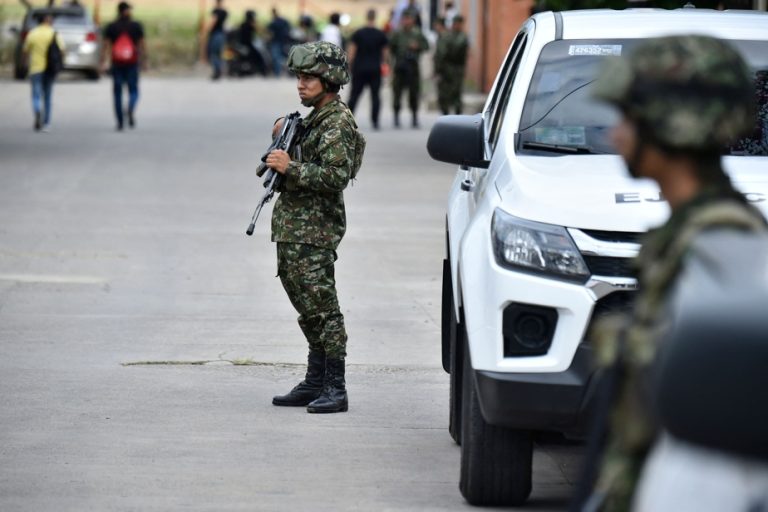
column 93, row 75
column 19, row 73
column 446, row 306
column 496, row 462
column 452, row 345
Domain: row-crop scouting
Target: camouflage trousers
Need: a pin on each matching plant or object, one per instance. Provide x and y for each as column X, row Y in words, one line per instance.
column 449, row 89
column 406, row 80
column 307, row 274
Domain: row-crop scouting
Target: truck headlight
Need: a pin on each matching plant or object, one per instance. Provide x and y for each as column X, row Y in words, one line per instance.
column 534, row 247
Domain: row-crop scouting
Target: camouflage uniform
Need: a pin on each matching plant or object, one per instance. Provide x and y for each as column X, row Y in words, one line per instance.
column 406, row 46
column 450, row 64
column 653, row 89
column 308, row 223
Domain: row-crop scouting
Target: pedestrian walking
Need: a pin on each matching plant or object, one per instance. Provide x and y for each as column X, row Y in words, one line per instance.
column 367, row 53
column 332, row 31
column 309, row 221
column 682, row 100
column 450, row 66
column 248, row 35
column 44, row 50
column 406, row 46
column 217, row 38
column 280, row 38
column 124, row 42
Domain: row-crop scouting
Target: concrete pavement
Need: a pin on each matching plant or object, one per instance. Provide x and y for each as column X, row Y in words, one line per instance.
column 129, row 247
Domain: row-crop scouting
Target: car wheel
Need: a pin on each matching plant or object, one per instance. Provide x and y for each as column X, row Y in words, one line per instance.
column 496, row 462
column 453, row 342
column 93, row 74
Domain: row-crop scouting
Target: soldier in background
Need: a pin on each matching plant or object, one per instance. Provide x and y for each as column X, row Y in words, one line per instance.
column 406, row 46
column 309, row 221
column 683, row 99
column 450, row 66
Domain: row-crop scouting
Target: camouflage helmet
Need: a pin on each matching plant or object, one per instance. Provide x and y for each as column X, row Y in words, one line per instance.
column 685, row 92
column 322, row 59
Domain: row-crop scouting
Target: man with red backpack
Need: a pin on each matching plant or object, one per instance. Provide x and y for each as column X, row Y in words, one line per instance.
column 124, row 40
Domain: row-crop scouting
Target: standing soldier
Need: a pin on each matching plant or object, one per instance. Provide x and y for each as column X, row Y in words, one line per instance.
column 406, row 45
column 683, row 99
column 309, row 221
column 450, row 65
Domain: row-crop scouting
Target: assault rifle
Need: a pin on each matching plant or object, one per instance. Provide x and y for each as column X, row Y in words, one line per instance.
column 286, row 140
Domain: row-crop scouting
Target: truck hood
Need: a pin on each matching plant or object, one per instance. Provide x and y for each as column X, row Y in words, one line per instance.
column 596, row 192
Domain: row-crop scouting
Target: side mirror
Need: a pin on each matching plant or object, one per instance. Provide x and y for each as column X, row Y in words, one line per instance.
column 458, row 140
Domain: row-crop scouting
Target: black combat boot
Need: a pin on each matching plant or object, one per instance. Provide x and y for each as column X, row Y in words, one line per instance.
column 334, row 395
column 308, row 389
column 397, row 119
column 414, row 119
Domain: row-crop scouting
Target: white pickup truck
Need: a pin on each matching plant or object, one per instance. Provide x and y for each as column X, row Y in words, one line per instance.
column 542, row 223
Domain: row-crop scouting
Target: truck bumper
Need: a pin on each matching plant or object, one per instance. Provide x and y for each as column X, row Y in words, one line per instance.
column 540, row 401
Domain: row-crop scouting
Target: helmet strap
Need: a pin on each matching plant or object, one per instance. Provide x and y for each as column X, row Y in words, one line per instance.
column 311, row 102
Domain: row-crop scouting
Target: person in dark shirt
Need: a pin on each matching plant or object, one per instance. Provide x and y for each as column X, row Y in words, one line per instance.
column 367, row 51
column 246, row 35
column 217, row 38
column 280, row 31
column 124, row 41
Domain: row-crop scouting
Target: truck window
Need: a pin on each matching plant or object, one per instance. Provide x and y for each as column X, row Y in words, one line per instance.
column 498, row 105
column 559, row 108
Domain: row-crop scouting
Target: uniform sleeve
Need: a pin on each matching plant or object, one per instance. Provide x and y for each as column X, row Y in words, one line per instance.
column 60, row 42
column 334, row 170
column 423, row 42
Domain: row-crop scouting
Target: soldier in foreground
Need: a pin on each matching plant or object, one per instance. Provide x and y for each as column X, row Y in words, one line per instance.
column 683, row 100
column 309, row 221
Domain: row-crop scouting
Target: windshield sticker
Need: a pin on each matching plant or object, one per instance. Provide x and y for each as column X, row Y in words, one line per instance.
column 564, row 135
column 595, row 50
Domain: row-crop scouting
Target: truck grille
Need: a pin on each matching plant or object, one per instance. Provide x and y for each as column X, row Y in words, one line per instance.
column 614, row 236
column 610, row 266
column 616, row 302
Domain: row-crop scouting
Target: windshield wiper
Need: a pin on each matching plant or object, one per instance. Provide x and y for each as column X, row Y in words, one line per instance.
column 561, row 148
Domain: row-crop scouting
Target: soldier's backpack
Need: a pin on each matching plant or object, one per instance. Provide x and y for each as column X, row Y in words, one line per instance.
column 359, row 150
column 359, row 145
column 54, row 57
column 124, row 51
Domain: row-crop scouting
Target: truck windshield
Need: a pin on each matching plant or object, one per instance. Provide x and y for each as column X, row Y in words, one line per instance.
column 559, row 111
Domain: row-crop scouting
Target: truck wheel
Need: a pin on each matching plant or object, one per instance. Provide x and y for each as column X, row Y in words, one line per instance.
column 452, row 352
column 496, row 462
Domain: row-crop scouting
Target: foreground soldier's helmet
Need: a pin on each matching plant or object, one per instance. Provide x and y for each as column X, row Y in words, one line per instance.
column 322, row 59
column 684, row 92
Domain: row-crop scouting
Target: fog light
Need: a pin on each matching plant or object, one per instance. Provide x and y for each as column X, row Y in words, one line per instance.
column 528, row 330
